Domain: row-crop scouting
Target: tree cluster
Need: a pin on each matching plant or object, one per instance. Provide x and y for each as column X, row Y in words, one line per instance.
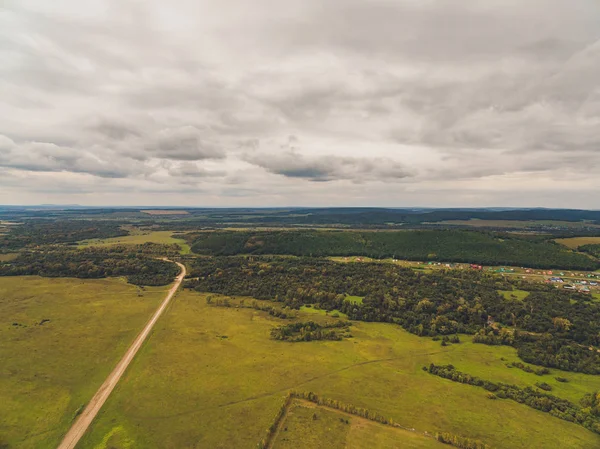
column 92, row 263
column 311, row 331
column 44, row 232
column 593, row 249
column 529, row 369
column 273, row 311
column 459, row 441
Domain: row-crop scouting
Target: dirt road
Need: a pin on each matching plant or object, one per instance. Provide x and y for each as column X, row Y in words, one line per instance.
column 89, row 413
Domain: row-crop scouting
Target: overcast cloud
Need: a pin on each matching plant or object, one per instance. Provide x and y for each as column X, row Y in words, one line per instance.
column 300, row 102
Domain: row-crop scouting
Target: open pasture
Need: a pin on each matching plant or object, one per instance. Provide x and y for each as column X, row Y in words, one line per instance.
column 576, row 242
column 59, row 339
column 139, row 237
column 309, row 426
column 519, row 224
column 210, row 377
column 514, row 295
column 164, row 212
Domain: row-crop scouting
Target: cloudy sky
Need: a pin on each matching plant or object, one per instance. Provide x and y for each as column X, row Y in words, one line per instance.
column 300, row 102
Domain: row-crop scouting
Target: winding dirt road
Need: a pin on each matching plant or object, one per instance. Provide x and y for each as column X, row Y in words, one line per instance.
column 89, row 413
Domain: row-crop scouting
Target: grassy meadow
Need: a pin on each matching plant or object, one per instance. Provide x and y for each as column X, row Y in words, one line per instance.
column 309, row 426
column 514, row 295
column 7, row 257
column 210, row 377
column 59, row 339
column 138, row 237
column 525, row 224
column 576, row 242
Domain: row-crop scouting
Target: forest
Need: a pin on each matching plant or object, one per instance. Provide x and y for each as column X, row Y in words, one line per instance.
column 310, row 331
column 139, row 268
column 550, row 327
column 592, row 249
column 45, row 232
column 434, row 245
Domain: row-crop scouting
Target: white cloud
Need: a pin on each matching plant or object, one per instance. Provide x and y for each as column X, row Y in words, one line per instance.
column 420, row 102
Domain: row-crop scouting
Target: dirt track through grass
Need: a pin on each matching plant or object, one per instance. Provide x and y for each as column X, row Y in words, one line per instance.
column 89, row 413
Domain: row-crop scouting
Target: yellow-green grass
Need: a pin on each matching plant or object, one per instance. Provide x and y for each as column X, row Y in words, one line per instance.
column 354, row 299
column 516, row 223
column 575, row 242
column 191, row 387
column 309, row 426
column 48, row 371
column 164, row 237
column 7, row 257
column 514, row 295
column 165, row 212
column 322, row 312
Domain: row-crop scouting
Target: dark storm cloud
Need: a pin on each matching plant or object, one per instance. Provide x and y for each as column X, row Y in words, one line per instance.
column 329, row 168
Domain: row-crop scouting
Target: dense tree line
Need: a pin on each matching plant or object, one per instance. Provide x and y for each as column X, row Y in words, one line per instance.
column 266, row 442
column 310, row 331
column 593, row 249
column 92, row 263
column 44, row 232
column 550, row 327
column 439, row 245
column 273, row 311
column 587, row 416
column 529, row 369
column 370, row 216
column 142, row 249
column 460, row 441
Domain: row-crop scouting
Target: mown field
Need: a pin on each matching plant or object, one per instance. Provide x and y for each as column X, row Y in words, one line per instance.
column 308, row 426
column 59, row 339
column 7, row 257
column 521, row 224
column 164, row 237
column 575, row 242
column 210, row 377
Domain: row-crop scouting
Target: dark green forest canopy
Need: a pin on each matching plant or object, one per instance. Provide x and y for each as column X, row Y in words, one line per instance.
column 439, row 245
column 593, row 249
column 441, row 302
column 44, row 232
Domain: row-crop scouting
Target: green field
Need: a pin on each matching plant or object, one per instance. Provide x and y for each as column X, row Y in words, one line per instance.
column 321, row 312
column 514, row 295
column 354, row 299
column 308, row 426
column 524, row 224
column 49, row 369
column 7, row 257
column 139, row 237
column 210, row 377
column 575, row 242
